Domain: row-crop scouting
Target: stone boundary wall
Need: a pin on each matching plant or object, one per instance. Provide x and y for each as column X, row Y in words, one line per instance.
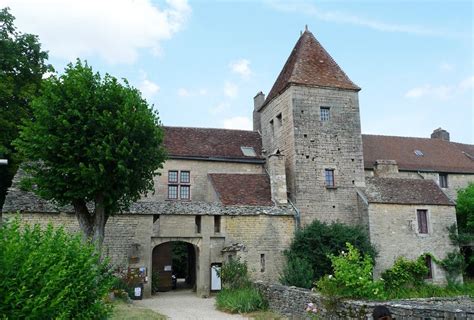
column 292, row 301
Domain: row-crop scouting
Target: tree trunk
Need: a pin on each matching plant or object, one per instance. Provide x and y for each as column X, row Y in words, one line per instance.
column 85, row 219
column 100, row 219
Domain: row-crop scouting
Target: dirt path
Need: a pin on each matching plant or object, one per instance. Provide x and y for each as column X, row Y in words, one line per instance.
column 185, row 305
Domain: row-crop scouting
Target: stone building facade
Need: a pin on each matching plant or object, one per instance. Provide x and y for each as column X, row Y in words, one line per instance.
column 235, row 193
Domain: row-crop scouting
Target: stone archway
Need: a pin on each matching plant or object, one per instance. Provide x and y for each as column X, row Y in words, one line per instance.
column 174, row 265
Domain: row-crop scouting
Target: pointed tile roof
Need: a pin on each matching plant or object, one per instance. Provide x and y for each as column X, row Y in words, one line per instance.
column 310, row 64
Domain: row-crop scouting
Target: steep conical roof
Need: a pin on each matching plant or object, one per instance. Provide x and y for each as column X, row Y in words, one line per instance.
column 310, row 64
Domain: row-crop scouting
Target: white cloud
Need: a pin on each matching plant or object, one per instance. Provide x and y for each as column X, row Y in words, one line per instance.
column 446, row 67
column 242, row 123
column 346, row 18
column 114, row 30
column 183, row 92
column 230, row 89
column 221, row 107
column 442, row 92
column 149, row 89
column 241, row 67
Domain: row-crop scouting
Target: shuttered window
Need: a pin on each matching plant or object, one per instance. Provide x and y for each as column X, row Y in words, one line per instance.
column 422, row 216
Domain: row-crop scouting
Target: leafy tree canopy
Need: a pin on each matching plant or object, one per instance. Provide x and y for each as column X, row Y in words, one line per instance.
column 318, row 240
column 465, row 209
column 22, row 65
column 93, row 140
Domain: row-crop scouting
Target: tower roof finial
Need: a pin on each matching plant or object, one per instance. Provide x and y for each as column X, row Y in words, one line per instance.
column 305, row 27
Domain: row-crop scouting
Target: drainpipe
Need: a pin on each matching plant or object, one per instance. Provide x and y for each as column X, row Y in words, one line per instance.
column 297, row 216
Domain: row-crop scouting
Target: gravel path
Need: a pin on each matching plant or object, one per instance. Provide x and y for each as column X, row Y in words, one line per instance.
column 185, row 305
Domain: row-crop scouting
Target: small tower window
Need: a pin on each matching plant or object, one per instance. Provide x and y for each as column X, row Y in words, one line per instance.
column 198, row 224
column 217, row 224
column 324, row 113
column 329, row 177
column 443, row 180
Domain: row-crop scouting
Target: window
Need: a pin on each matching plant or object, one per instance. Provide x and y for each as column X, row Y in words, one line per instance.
column 422, row 216
column 329, row 177
column 179, row 189
column 217, row 224
column 418, row 153
column 279, row 120
column 324, row 115
column 429, row 266
column 172, row 176
column 443, row 180
column 185, row 176
column 262, row 262
column 184, row 192
column 197, row 221
column 248, row 151
column 172, row 192
column 272, row 128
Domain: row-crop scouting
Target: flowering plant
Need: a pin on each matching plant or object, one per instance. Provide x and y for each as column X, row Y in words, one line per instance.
column 312, row 310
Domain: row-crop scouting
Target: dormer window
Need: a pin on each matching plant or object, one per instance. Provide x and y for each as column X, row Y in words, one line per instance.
column 248, row 151
column 418, row 153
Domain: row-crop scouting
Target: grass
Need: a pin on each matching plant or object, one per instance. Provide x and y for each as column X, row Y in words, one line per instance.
column 430, row 290
column 126, row 311
column 265, row 315
column 243, row 300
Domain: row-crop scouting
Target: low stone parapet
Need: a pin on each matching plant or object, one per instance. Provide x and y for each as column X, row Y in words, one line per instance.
column 292, row 302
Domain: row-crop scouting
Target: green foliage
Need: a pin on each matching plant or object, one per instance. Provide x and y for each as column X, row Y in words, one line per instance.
column 22, row 65
column 454, row 265
column 427, row 290
column 319, row 240
column 352, row 276
column 241, row 300
column 405, row 273
column 298, row 272
column 234, row 275
column 238, row 293
column 49, row 274
column 465, row 209
column 179, row 251
column 92, row 139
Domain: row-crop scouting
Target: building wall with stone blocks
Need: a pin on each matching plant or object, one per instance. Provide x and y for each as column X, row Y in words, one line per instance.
column 201, row 188
column 456, row 181
column 393, row 229
column 333, row 144
column 261, row 235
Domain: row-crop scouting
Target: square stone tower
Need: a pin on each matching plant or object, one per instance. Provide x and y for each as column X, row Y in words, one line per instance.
column 311, row 116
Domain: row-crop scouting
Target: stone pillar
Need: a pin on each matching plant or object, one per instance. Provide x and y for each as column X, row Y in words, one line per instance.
column 203, row 281
column 440, row 134
column 276, row 170
column 386, row 168
column 258, row 101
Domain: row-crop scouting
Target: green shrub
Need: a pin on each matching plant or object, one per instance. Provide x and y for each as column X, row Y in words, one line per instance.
column 241, row 300
column 319, row 240
column 352, row 276
column 297, row 272
column 234, row 274
column 405, row 273
column 454, row 265
column 49, row 274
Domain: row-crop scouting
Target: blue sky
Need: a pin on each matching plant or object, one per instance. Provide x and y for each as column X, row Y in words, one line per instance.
column 201, row 62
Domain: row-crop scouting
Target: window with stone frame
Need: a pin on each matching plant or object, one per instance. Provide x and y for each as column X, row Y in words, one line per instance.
column 179, row 185
column 324, row 114
column 329, row 178
column 422, row 217
column 443, row 180
column 429, row 265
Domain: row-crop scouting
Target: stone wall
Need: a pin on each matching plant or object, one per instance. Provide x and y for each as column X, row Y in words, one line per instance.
column 393, row 229
column 291, row 302
column 201, row 187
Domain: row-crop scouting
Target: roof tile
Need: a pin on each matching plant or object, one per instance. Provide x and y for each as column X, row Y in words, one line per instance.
column 242, row 189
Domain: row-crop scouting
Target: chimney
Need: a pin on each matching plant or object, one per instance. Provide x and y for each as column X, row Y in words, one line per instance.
column 258, row 101
column 440, row 134
column 276, row 170
column 386, row 168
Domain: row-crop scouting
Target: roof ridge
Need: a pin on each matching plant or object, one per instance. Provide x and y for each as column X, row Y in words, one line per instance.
column 208, row 128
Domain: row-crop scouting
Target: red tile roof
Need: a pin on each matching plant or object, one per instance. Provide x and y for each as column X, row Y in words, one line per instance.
column 310, row 64
column 405, row 191
column 438, row 155
column 242, row 189
column 211, row 143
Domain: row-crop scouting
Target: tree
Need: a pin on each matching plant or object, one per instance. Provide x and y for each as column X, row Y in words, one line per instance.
column 318, row 240
column 22, row 65
column 465, row 209
column 93, row 141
